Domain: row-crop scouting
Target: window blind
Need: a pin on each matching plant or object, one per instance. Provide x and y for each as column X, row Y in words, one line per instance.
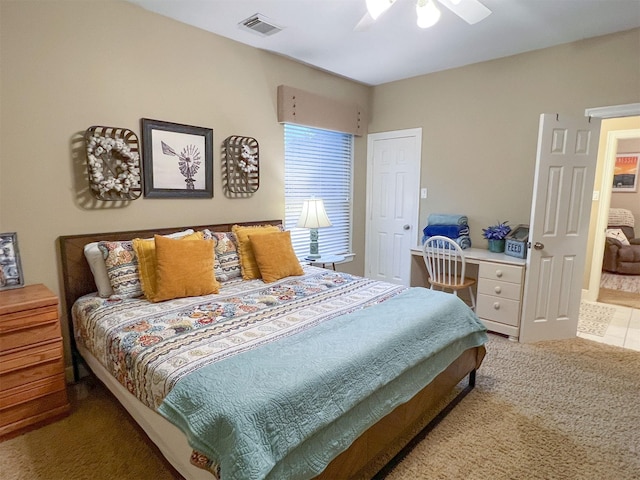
column 319, row 163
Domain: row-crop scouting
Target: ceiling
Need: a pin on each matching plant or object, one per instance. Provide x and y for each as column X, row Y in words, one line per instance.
column 321, row 33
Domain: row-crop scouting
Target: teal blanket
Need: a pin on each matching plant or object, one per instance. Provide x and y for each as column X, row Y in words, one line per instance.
column 286, row 409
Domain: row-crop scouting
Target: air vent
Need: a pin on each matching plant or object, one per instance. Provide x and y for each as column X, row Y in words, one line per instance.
column 260, row 24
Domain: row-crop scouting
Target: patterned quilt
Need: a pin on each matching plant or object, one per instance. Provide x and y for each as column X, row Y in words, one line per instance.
column 148, row 346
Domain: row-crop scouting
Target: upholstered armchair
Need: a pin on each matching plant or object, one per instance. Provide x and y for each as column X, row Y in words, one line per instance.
column 622, row 248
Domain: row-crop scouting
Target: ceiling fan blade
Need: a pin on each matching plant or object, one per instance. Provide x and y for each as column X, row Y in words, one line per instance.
column 471, row 11
column 365, row 22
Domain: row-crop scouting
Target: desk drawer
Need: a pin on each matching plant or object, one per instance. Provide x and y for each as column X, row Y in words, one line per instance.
column 498, row 309
column 505, row 273
column 500, row 289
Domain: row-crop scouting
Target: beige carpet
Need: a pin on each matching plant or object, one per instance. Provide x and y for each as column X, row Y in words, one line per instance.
column 554, row 410
column 565, row 410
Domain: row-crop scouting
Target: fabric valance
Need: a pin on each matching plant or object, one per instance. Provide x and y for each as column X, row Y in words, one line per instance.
column 305, row 108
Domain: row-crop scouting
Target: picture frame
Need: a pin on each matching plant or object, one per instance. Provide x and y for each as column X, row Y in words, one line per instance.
column 10, row 267
column 625, row 172
column 177, row 160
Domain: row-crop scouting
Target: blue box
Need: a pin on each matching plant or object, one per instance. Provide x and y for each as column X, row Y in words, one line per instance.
column 516, row 243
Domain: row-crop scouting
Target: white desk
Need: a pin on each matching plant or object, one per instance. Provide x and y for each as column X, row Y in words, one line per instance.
column 499, row 289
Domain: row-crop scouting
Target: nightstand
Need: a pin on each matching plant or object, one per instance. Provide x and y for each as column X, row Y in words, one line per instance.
column 32, row 381
column 326, row 260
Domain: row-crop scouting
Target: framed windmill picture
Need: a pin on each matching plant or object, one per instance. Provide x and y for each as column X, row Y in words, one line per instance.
column 177, row 160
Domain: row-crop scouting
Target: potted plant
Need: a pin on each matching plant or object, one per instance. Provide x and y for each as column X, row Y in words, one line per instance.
column 496, row 235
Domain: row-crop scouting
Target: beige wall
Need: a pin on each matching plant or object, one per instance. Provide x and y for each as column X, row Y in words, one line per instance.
column 69, row 65
column 480, row 122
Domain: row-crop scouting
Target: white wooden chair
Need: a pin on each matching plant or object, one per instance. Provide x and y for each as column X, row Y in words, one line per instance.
column 446, row 266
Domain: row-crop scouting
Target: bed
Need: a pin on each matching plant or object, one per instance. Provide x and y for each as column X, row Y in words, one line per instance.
column 380, row 371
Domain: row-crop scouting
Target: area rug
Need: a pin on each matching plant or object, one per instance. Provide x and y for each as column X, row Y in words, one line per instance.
column 595, row 318
column 626, row 283
column 560, row 410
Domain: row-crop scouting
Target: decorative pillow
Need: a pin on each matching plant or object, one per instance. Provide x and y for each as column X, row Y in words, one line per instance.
column 147, row 264
column 248, row 265
column 122, row 268
column 227, row 262
column 275, row 256
column 185, row 268
column 95, row 259
column 617, row 234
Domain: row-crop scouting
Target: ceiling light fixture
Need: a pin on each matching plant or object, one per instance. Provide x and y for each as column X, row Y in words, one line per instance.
column 471, row 11
column 427, row 12
column 378, row 7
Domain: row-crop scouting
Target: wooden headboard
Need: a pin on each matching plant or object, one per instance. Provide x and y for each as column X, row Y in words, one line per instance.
column 77, row 279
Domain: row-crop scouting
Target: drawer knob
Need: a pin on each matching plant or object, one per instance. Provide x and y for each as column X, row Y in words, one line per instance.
column 498, row 289
column 498, row 273
column 496, row 305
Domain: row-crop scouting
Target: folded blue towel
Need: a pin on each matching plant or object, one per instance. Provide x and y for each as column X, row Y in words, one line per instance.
column 447, row 219
column 463, row 240
column 450, row 231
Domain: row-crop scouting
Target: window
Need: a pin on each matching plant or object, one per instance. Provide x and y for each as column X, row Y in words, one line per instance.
column 318, row 163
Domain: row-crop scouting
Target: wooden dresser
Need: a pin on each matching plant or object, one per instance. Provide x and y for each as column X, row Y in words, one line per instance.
column 32, row 381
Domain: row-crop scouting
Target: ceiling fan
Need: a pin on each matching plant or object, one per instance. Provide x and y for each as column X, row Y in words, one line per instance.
column 427, row 13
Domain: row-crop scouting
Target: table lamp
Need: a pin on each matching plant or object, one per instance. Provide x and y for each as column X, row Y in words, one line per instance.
column 313, row 216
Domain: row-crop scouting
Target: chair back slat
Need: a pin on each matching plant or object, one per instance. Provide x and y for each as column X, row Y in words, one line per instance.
column 444, row 260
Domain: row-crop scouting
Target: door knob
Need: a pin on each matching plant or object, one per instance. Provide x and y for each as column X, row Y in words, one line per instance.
column 406, row 227
column 538, row 246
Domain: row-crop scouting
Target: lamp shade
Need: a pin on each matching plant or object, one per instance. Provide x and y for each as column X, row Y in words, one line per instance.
column 313, row 214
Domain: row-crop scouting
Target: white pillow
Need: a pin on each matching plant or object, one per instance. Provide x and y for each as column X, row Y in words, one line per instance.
column 617, row 234
column 99, row 270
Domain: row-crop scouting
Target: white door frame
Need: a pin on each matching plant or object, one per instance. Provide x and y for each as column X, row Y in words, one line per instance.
column 409, row 132
column 615, row 111
column 591, row 294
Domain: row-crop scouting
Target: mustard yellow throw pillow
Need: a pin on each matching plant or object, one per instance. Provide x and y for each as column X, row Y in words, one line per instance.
column 275, row 256
column 248, row 265
column 185, row 268
column 145, row 249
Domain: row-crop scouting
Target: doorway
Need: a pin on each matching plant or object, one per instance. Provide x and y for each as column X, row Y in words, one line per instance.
column 393, row 182
column 614, row 129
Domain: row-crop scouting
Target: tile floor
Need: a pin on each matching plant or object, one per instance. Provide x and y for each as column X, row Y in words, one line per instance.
column 623, row 331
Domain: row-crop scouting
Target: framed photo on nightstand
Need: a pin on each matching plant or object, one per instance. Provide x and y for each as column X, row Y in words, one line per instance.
column 10, row 267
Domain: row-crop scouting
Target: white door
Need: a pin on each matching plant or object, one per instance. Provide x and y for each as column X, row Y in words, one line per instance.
column 393, row 184
column 559, row 226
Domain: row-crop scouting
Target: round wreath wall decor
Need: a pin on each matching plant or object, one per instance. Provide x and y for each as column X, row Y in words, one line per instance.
column 113, row 163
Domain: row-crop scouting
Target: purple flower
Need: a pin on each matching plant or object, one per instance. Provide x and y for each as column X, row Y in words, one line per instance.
column 496, row 232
